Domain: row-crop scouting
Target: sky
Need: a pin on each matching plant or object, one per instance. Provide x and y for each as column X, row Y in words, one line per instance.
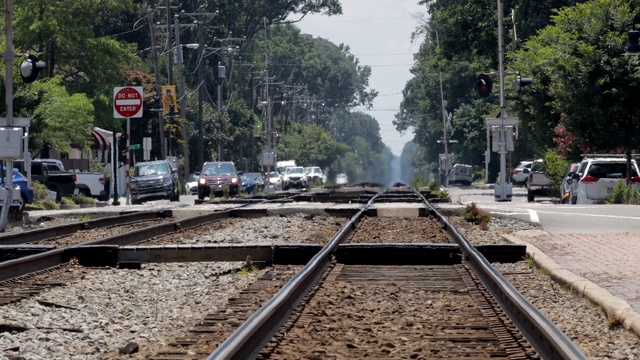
column 378, row 33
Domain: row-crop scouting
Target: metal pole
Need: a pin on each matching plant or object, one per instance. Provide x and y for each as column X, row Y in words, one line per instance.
column 126, row 163
column 503, row 113
column 182, row 102
column 220, row 118
column 114, row 160
column 9, row 56
column 170, row 52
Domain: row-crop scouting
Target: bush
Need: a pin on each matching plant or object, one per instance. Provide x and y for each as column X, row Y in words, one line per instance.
column 419, row 182
column 40, row 191
column 623, row 194
column 84, row 200
column 66, row 201
column 477, row 216
column 556, row 168
column 49, row 205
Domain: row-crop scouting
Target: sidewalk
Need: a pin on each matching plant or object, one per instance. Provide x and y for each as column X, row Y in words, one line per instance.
column 603, row 267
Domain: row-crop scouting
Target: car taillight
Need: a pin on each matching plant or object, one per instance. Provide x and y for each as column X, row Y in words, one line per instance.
column 102, row 180
column 635, row 179
column 74, row 177
column 515, row 171
column 589, row 179
column 530, row 177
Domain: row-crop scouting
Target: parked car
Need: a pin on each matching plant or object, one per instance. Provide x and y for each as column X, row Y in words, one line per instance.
column 342, row 179
column 275, row 181
column 51, row 175
column 597, row 176
column 20, row 181
column 90, row 184
column 569, row 185
column 215, row 176
column 154, row 180
column 191, row 186
column 294, row 177
column 521, row 172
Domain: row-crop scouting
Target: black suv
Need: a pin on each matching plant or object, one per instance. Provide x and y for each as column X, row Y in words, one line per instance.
column 154, row 180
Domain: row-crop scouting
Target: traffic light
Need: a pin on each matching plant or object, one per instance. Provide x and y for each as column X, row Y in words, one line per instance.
column 30, row 68
column 484, row 85
column 521, row 82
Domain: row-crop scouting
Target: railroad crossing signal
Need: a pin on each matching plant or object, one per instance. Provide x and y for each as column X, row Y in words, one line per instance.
column 484, row 85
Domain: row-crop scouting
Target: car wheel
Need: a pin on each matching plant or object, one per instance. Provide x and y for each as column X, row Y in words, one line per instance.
column 201, row 195
column 530, row 196
column 574, row 200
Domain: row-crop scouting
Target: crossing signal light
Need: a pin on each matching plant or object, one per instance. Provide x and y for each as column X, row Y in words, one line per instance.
column 30, row 68
column 484, row 85
column 521, row 82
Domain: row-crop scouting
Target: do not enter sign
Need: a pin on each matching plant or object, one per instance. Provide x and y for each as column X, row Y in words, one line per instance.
column 127, row 102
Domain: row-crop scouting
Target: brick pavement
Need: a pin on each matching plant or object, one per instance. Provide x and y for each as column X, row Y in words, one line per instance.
column 610, row 261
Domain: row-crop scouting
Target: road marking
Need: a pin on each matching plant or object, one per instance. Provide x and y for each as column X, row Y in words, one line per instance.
column 593, row 215
column 533, row 215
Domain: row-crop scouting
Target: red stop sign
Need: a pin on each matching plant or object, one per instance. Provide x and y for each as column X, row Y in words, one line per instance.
column 127, row 102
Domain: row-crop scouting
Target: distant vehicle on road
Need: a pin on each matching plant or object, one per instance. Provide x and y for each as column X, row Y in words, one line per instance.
column 191, row 186
column 342, row 179
column 537, row 182
column 275, row 181
column 26, row 193
column 216, row 176
column 154, row 180
column 521, row 172
column 461, row 173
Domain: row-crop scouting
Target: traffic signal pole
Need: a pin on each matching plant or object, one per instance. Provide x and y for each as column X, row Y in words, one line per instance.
column 9, row 56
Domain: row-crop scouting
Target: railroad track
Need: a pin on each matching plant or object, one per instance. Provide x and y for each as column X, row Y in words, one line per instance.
column 390, row 299
column 418, row 277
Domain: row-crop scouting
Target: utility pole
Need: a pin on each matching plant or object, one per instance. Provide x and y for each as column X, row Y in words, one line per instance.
column 181, row 101
column 201, row 90
column 169, row 62
column 156, row 71
column 9, row 56
column 444, row 126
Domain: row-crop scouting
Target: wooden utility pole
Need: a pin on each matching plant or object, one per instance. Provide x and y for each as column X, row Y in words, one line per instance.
column 156, row 71
column 182, row 102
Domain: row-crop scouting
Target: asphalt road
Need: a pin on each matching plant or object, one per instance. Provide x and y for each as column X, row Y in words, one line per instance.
column 554, row 217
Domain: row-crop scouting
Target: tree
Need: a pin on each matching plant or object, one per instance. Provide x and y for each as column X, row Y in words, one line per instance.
column 59, row 118
column 590, row 82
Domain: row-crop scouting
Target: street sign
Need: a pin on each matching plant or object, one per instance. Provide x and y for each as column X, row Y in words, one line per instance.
column 127, row 102
column 134, row 147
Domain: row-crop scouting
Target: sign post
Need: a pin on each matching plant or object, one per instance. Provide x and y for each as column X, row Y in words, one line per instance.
column 127, row 103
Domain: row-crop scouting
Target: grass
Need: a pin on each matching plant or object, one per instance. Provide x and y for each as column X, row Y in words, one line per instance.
column 477, row 216
column 84, row 200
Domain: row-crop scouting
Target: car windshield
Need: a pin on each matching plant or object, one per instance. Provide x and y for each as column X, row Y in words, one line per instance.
column 294, row 170
column 150, row 169
column 192, row 177
column 274, row 174
column 252, row 175
column 219, row 169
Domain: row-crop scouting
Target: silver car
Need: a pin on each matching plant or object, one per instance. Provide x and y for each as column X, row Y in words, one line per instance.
column 521, row 172
column 597, row 176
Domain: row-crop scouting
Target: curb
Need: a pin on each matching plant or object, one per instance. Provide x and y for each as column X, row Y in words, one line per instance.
column 613, row 306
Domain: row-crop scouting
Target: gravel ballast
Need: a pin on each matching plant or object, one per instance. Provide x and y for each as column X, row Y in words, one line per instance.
column 103, row 310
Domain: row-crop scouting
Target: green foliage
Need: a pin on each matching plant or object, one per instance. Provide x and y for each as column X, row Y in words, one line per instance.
column 419, row 182
column 226, row 191
column 66, row 201
column 49, row 205
column 475, row 215
column 556, row 168
column 60, row 118
column 40, row 191
column 80, row 200
column 624, row 194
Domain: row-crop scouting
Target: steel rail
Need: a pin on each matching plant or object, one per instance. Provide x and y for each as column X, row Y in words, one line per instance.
column 251, row 337
column 71, row 228
column 545, row 337
column 38, row 262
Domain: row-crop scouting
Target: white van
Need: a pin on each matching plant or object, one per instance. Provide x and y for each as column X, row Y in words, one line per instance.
column 461, row 174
